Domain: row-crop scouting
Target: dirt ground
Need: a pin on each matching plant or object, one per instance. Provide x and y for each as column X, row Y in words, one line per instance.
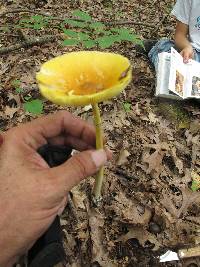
column 148, row 205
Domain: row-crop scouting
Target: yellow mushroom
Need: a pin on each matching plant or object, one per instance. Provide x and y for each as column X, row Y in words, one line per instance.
column 83, row 78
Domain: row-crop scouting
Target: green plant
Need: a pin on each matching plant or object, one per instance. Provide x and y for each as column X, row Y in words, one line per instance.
column 127, row 106
column 195, row 186
column 36, row 22
column 90, row 33
column 195, row 181
column 17, row 85
column 82, row 30
column 34, row 106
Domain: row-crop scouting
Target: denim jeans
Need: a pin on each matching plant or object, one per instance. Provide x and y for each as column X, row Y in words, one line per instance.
column 165, row 46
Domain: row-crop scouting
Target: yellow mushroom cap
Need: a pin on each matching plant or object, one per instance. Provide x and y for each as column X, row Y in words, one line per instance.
column 85, row 77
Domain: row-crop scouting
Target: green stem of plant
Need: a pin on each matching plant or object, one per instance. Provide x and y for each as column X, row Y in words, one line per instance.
column 99, row 145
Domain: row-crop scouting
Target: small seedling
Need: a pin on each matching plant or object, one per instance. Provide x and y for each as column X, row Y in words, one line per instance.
column 34, row 106
column 17, row 85
column 195, row 181
column 127, row 106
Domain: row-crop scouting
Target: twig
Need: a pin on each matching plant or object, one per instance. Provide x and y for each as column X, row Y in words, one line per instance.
column 79, row 20
column 9, row 34
column 3, row 14
column 27, row 44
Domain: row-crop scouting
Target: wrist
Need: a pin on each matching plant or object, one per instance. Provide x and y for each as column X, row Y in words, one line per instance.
column 7, row 239
column 189, row 47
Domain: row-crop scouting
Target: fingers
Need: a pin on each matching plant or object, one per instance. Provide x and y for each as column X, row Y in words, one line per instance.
column 187, row 55
column 78, row 167
column 71, row 141
column 62, row 123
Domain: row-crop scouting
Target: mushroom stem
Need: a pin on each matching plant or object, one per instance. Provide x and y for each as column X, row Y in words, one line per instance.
column 99, row 145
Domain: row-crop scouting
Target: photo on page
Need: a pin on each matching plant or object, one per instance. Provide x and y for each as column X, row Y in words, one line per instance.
column 195, row 86
column 179, row 83
column 178, row 73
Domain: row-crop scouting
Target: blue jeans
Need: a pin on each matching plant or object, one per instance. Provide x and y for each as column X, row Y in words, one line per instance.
column 165, row 46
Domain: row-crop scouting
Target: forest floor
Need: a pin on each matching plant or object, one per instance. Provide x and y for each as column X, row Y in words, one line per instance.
column 148, row 205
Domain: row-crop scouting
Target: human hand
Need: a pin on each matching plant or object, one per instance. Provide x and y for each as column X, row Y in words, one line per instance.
column 187, row 53
column 31, row 193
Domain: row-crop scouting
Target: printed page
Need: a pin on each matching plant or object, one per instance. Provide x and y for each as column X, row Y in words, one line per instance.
column 178, row 74
column 163, row 74
column 162, row 86
column 194, row 80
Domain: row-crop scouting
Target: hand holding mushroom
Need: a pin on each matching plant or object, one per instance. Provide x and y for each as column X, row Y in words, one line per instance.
column 31, row 193
column 83, row 78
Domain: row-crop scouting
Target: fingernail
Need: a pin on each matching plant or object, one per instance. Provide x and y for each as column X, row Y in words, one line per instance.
column 99, row 157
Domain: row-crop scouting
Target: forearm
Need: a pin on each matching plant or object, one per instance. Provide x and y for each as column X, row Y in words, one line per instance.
column 181, row 36
column 6, row 259
column 8, row 250
column 181, row 41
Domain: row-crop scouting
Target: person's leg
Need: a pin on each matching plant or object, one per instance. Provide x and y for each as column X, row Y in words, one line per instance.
column 161, row 46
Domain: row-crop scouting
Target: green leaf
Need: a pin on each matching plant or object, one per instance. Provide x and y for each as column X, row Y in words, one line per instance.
column 107, row 41
column 89, row 44
column 116, row 30
column 16, row 83
column 97, row 25
column 34, row 106
column 27, row 97
column 19, row 90
column 127, row 35
column 21, row 21
column 127, row 106
column 82, row 15
column 38, row 26
column 70, row 33
column 4, row 29
column 107, row 32
column 69, row 42
column 83, row 36
column 37, row 18
column 75, row 23
column 195, row 186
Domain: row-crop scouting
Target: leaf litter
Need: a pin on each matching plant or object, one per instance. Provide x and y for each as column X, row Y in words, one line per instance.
column 148, row 204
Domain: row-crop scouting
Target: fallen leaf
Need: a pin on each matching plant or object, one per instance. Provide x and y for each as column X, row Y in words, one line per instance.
column 123, row 157
column 142, row 236
column 128, row 210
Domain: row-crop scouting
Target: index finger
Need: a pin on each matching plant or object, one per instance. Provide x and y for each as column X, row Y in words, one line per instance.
column 60, row 123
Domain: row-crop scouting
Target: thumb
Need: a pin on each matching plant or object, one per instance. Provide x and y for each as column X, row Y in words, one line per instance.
column 78, row 167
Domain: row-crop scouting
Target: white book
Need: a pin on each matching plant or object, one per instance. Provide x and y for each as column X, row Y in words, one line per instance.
column 175, row 79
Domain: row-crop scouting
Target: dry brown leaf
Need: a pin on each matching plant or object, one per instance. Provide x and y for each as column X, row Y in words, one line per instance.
column 123, row 157
column 154, row 161
column 152, row 118
column 78, row 198
column 142, row 235
column 99, row 253
column 188, row 198
column 9, row 111
column 177, row 161
column 128, row 210
column 193, row 219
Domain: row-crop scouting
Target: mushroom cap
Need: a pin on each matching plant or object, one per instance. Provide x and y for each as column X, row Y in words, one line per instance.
column 85, row 77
